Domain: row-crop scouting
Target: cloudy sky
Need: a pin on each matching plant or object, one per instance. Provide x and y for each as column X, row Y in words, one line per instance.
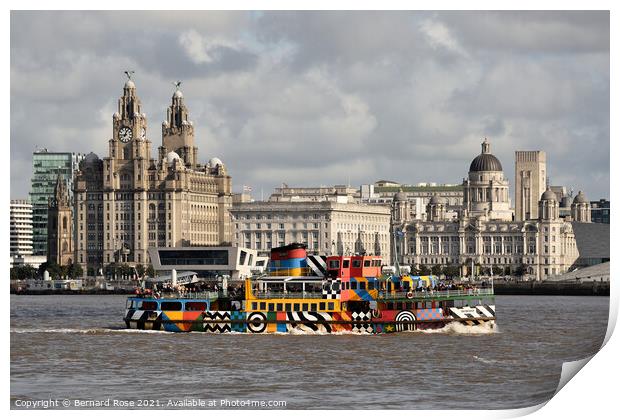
column 323, row 98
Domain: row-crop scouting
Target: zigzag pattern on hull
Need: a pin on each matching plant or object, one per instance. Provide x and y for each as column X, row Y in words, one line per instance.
column 219, row 327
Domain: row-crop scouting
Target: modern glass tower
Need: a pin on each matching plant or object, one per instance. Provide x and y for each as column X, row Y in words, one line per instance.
column 46, row 166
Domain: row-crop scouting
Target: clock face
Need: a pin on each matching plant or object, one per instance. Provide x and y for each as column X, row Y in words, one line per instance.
column 143, row 133
column 124, row 134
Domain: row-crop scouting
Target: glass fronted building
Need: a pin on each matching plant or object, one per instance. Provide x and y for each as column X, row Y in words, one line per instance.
column 46, row 166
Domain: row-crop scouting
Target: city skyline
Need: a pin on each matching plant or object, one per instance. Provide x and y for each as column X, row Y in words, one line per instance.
column 409, row 102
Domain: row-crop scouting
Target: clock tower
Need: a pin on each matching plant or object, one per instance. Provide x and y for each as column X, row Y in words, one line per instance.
column 178, row 131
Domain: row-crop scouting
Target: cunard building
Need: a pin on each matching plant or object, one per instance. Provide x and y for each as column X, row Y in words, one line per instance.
column 484, row 236
column 130, row 201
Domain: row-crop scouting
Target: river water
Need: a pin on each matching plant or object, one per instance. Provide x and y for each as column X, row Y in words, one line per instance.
column 76, row 348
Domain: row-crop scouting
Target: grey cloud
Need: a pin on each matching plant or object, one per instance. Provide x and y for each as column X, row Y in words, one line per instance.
column 325, row 97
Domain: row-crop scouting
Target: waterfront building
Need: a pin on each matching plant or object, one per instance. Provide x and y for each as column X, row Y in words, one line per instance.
column 485, row 190
column 418, row 196
column 47, row 166
column 129, row 202
column 580, row 209
column 338, row 193
column 60, row 246
column 208, row 262
column 326, row 227
column 33, row 260
column 600, row 211
column 20, row 230
column 483, row 234
column 530, row 183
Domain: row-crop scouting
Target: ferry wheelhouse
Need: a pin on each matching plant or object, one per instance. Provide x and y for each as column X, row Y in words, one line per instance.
column 311, row 293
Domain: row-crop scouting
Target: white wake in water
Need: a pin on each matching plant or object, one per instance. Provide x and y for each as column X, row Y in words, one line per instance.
column 83, row 331
column 459, row 328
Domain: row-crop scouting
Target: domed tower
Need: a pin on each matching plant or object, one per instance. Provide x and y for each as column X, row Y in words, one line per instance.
column 548, row 206
column 436, row 209
column 580, row 209
column 485, row 191
column 401, row 208
column 178, row 131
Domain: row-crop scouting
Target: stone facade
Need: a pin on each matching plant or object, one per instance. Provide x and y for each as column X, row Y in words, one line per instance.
column 530, row 181
column 60, row 239
column 326, row 227
column 484, row 234
column 129, row 202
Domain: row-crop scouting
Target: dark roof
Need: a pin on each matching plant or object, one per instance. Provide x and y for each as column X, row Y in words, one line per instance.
column 485, row 162
column 411, row 188
column 592, row 239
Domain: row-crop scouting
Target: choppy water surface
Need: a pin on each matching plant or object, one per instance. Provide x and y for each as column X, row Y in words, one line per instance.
column 75, row 347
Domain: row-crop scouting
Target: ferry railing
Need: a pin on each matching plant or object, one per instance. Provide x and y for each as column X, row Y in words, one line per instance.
column 456, row 293
column 194, row 295
column 288, row 295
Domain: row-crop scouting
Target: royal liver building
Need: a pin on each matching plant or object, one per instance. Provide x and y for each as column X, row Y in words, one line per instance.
column 483, row 235
column 128, row 202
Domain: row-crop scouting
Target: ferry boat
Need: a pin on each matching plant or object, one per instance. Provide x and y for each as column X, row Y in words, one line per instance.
column 308, row 293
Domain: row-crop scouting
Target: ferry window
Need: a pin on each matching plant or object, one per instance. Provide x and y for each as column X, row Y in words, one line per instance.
column 321, row 306
column 371, row 286
column 263, row 306
column 429, row 305
column 330, row 306
column 254, row 306
column 171, row 306
column 296, row 306
column 389, row 306
column 149, row 305
column 357, row 263
column 195, row 306
column 130, row 304
column 287, row 307
column 367, row 263
column 345, row 263
column 334, row 264
column 362, row 285
column 313, row 307
column 353, row 285
column 271, row 307
column 279, row 307
column 304, row 307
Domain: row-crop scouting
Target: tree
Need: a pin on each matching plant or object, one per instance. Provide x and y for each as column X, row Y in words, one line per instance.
column 23, row 272
column 424, row 270
column 54, row 270
column 507, row 270
column 521, row 270
column 415, row 271
column 75, row 271
column 140, row 270
column 150, row 271
column 436, row 269
column 450, row 271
